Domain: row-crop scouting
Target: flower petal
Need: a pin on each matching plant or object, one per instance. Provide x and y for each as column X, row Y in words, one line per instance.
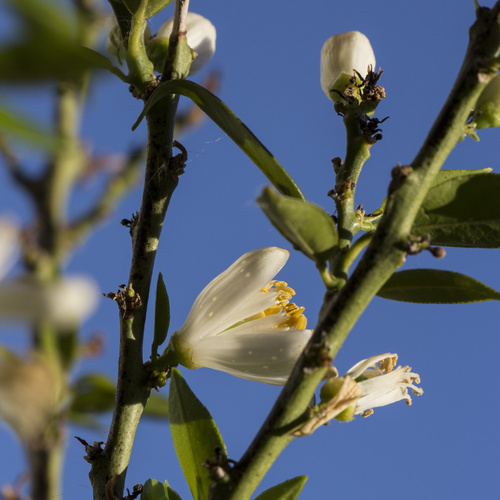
column 9, row 237
column 221, row 303
column 265, row 356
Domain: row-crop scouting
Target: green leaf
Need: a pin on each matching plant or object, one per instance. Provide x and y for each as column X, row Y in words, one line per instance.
column 288, row 490
column 47, row 50
column 162, row 316
column 194, row 434
column 462, row 210
column 432, row 286
column 217, row 111
column 95, row 393
column 154, row 490
column 24, row 128
column 153, row 7
column 305, row 225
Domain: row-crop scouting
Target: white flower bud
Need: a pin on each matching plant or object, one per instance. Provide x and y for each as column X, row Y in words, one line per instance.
column 341, row 55
column 201, row 35
column 487, row 112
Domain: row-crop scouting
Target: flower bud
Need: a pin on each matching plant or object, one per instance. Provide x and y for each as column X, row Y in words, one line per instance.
column 201, row 36
column 487, row 112
column 341, row 55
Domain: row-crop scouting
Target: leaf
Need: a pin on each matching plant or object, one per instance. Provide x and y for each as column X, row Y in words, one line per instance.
column 305, row 225
column 462, row 210
column 95, row 393
column 432, row 286
column 47, row 50
column 153, row 7
column 154, row 490
column 288, row 490
column 162, row 316
column 217, row 111
column 194, row 434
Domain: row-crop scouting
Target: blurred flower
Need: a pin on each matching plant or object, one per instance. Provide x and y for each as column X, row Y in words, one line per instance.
column 32, row 392
column 201, row 35
column 487, row 112
column 64, row 303
column 341, row 55
column 242, row 323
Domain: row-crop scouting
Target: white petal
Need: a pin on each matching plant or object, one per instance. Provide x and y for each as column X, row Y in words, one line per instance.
column 218, row 305
column 363, row 365
column 343, row 53
column 201, row 35
column 65, row 304
column 266, row 356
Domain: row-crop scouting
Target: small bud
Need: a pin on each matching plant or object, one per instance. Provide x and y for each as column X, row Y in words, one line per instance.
column 200, row 36
column 487, row 112
column 341, row 56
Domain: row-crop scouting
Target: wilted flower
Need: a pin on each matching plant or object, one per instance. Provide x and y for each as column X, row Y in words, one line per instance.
column 487, row 112
column 242, row 323
column 341, row 55
column 200, row 36
column 381, row 384
column 64, row 303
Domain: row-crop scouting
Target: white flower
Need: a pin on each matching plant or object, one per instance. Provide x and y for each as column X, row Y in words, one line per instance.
column 341, row 55
column 381, row 383
column 201, row 35
column 65, row 303
column 242, row 322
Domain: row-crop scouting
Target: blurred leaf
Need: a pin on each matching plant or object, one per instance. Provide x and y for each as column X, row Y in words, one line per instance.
column 162, row 316
column 305, row 225
column 232, row 126
column 154, row 490
column 431, row 286
column 24, row 128
column 95, row 393
column 462, row 209
column 194, row 434
column 153, row 7
column 47, row 49
column 288, row 490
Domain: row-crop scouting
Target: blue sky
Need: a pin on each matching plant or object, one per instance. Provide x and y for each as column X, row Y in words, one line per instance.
column 446, row 445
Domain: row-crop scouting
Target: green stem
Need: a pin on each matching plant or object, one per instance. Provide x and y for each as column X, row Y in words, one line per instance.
column 109, row 468
column 383, row 256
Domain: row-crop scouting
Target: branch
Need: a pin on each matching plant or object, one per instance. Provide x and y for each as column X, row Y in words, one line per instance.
column 383, row 256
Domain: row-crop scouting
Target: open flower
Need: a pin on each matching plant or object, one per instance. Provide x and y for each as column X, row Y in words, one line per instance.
column 65, row 303
column 242, row 323
column 381, row 383
column 201, row 35
column 341, row 56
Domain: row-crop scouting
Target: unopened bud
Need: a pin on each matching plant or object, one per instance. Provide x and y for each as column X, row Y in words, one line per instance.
column 115, row 45
column 487, row 112
column 341, row 56
column 201, row 35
